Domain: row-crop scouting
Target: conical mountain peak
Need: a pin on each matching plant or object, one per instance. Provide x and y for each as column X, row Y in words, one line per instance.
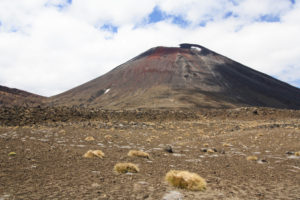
column 188, row 76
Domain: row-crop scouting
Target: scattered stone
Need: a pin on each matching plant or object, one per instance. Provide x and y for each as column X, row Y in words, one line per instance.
column 96, row 172
column 173, row 195
column 262, row 161
column 255, row 112
column 4, row 197
column 204, row 150
column 89, row 138
column 169, row 149
column 293, row 157
column 95, row 185
column 140, row 186
column 290, row 152
column 178, row 154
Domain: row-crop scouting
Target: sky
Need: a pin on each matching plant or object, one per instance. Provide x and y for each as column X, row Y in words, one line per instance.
column 50, row 46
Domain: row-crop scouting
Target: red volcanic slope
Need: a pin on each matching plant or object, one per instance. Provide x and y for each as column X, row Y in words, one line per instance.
column 188, row 77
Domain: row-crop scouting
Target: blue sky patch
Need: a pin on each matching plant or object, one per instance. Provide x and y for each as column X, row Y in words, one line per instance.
column 59, row 6
column 179, row 21
column 14, row 29
column 293, row 1
column 296, row 83
column 205, row 20
column 110, row 28
column 269, row 18
column 228, row 14
column 158, row 15
column 234, row 2
column 203, row 23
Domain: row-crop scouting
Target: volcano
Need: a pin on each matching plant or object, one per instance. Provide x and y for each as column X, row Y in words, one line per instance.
column 190, row 76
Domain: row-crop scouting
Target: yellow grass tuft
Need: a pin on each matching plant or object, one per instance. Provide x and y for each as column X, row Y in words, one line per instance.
column 297, row 153
column 63, row 132
column 149, row 140
column 252, row 158
column 108, row 137
column 135, row 153
column 227, row 145
column 125, row 168
column 210, row 151
column 94, row 153
column 89, row 138
column 185, row 180
column 12, row 154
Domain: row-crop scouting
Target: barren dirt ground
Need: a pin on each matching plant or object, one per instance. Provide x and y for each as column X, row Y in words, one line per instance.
column 49, row 161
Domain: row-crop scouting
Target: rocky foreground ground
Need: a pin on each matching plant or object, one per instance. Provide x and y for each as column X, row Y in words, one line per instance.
column 41, row 153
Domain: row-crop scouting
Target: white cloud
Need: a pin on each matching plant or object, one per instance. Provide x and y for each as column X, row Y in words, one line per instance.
column 255, row 8
column 196, row 11
column 117, row 12
column 47, row 49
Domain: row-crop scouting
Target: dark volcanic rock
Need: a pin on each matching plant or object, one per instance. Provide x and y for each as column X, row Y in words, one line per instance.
column 18, row 115
column 169, row 149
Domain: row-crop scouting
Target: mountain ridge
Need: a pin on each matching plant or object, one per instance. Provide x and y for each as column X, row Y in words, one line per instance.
column 15, row 97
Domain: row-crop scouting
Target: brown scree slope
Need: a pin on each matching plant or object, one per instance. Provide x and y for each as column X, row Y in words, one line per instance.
column 15, row 97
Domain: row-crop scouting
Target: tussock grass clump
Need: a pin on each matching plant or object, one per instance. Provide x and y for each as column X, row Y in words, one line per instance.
column 151, row 138
column 12, row 154
column 125, row 168
column 63, row 132
column 252, row 158
column 94, row 153
column 210, row 151
column 186, row 180
column 205, row 144
column 135, row 153
column 297, row 153
column 108, row 137
column 227, row 145
column 89, row 138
